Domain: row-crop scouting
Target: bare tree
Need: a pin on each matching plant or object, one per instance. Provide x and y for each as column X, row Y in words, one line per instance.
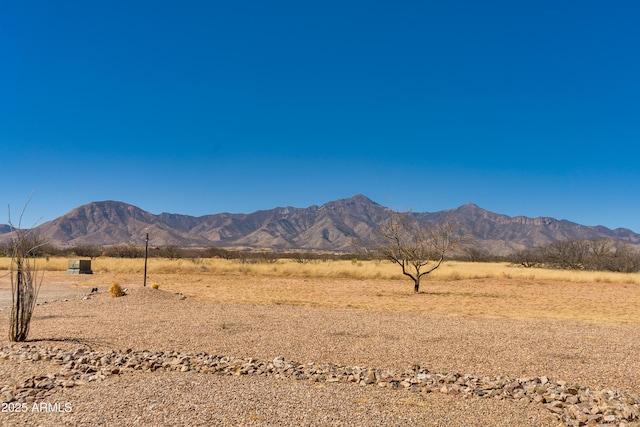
column 88, row 251
column 527, row 258
column 595, row 255
column 567, row 254
column 24, row 281
column 172, row 252
column 416, row 248
column 130, row 250
column 473, row 254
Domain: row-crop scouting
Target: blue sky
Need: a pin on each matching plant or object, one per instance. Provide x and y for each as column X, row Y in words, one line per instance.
column 199, row 107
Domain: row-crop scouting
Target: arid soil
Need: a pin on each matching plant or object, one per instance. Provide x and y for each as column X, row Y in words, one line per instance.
column 587, row 354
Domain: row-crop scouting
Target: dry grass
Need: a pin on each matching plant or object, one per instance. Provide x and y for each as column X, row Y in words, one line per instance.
column 116, row 290
column 355, row 269
column 483, row 298
column 478, row 290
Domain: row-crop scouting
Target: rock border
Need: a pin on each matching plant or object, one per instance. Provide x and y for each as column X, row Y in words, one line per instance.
column 572, row 404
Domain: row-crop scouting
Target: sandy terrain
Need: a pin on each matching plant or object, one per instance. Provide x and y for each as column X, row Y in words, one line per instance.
column 56, row 287
column 594, row 355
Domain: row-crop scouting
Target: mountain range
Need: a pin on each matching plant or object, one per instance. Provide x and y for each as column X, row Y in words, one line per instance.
column 330, row 227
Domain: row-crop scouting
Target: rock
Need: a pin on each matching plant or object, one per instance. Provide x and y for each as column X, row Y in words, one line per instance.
column 576, row 413
column 572, row 400
column 370, row 377
column 574, row 405
column 423, row 378
column 572, row 390
column 278, row 362
column 554, row 409
column 7, row 396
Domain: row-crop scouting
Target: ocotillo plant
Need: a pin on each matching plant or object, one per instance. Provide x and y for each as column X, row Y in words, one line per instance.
column 24, row 283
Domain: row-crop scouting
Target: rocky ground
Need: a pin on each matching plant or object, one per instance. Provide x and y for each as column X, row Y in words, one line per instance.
column 153, row 358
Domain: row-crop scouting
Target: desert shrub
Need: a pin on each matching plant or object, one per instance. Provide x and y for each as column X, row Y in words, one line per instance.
column 116, row 290
column 171, row 252
column 590, row 255
column 124, row 251
column 155, row 286
column 218, row 253
column 527, row 258
column 24, row 284
column 88, row 251
column 473, row 254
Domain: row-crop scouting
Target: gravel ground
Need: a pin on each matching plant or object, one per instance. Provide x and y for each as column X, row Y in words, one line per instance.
column 177, row 399
column 591, row 355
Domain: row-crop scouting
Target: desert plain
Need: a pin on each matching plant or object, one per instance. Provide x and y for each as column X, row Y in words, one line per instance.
column 298, row 344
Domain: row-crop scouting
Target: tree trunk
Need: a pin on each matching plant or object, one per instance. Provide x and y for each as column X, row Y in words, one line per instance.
column 416, row 286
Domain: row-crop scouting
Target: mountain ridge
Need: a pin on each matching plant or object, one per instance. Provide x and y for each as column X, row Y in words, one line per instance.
column 328, row 227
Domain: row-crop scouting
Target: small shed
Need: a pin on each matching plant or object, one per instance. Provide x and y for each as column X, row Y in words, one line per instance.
column 79, row 266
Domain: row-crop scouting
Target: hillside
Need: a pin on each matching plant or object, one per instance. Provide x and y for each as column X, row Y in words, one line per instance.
column 330, row 227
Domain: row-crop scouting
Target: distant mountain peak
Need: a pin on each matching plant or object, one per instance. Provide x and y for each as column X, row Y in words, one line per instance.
column 358, row 198
column 470, row 209
column 362, row 198
column 470, row 205
column 330, row 227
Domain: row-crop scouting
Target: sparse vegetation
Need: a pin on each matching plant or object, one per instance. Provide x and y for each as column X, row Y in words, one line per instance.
column 173, row 252
column 155, row 286
column 116, row 290
column 457, row 288
column 381, row 270
column 23, row 247
column 86, row 251
column 124, row 251
column 590, row 255
column 417, row 249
